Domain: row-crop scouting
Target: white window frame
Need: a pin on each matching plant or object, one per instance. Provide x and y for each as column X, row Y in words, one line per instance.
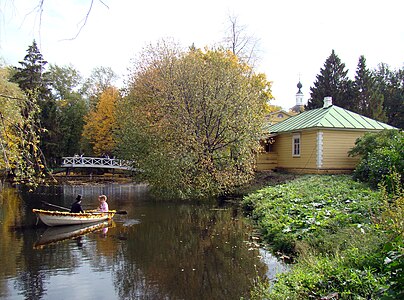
column 296, row 145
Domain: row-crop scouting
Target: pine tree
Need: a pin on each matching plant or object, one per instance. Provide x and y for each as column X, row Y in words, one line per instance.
column 35, row 83
column 331, row 82
column 390, row 83
column 31, row 76
column 368, row 101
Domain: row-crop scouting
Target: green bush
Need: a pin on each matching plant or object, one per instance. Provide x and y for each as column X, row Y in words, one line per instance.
column 381, row 154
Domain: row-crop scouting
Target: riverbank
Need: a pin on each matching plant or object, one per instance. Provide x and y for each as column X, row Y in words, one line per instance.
column 340, row 234
column 85, row 179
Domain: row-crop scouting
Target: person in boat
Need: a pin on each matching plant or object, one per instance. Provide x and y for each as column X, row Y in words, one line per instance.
column 103, row 203
column 76, row 206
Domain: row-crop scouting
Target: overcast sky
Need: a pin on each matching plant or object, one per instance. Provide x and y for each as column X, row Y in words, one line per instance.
column 296, row 36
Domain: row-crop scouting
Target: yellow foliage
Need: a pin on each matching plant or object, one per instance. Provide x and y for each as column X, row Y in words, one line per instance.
column 10, row 121
column 193, row 120
column 101, row 123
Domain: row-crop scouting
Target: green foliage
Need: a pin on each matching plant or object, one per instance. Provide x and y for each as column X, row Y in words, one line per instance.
column 331, row 82
column 72, row 113
column 368, row 101
column 101, row 78
column 308, row 207
column 31, row 76
column 65, row 81
column 324, row 276
column 355, row 253
column 66, row 84
column 390, row 84
column 192, row 120
column 392, row 221
column 34, row 81
column 378, row 94
column 380, row 155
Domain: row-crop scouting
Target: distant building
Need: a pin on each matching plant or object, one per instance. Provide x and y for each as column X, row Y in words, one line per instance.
column 299, row 107
column 277, row 116
column 281, row 115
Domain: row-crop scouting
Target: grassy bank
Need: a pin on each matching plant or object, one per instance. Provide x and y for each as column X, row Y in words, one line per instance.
column 346, row 239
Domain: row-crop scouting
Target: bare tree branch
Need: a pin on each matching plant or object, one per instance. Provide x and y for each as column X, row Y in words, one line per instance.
column 84, row 21
column 242, row 44
column 39, row 9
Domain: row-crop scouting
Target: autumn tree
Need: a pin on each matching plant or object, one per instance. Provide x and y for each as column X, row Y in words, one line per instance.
column 192, row 120
column 101, row 123
column 101, row 78
column 331, row 82
column 19, row 132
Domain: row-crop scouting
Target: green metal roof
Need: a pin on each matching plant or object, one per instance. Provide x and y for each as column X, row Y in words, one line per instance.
column 330, row 117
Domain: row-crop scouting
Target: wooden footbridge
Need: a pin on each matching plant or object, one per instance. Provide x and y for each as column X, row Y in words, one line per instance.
column 97, row 162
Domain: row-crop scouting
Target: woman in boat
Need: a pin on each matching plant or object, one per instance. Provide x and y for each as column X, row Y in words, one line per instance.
column 76, row 206
column 103, row 203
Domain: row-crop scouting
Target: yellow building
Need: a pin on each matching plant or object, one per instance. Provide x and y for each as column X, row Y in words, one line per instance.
column 316, row 141
column 278, row 116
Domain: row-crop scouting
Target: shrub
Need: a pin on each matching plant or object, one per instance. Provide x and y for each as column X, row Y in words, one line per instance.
column 381, row 154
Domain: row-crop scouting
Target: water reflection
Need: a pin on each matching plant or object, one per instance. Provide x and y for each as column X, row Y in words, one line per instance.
column 159, row 250
column 57, row 234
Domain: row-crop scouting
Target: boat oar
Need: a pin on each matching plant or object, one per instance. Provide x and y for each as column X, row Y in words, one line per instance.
column 56, row 206
column 117, row 212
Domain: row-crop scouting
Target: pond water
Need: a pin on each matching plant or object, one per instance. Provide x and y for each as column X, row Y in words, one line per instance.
column 158, row 250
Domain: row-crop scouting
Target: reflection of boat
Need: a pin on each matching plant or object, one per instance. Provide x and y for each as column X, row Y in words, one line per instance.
column 56, row 218
column 60, row 233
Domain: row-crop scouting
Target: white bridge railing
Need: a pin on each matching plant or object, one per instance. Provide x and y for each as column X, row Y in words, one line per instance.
column 97, row 162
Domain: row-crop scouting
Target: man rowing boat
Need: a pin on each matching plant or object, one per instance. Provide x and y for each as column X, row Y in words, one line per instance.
column 76, row 206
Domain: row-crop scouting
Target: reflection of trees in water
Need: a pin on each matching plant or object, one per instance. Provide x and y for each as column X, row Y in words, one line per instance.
column 39, row 265
column 178, row 251
column 10, row 216
column 203, row 256
column 130, row 283
column 31, row 284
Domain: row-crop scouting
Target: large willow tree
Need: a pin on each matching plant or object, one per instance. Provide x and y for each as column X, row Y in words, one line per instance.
column 192, row 120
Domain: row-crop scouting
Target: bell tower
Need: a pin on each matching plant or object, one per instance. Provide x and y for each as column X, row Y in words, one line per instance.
column 299, row 95
column 299, row 106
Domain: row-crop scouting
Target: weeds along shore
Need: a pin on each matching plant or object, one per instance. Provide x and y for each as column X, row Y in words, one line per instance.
column 345, row 238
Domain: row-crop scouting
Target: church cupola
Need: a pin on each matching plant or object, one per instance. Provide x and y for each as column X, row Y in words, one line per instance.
column 299, row 95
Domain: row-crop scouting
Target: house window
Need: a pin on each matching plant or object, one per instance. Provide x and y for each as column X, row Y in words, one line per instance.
column 296, row 145
column 280, row 116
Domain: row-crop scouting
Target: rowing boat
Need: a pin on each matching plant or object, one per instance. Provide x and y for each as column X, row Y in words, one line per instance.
column 58, row 218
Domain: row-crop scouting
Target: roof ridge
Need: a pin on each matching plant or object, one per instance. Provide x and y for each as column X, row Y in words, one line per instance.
column 327, row 117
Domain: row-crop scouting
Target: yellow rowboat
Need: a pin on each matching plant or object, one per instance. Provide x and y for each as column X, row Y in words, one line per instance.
column 59, row 218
